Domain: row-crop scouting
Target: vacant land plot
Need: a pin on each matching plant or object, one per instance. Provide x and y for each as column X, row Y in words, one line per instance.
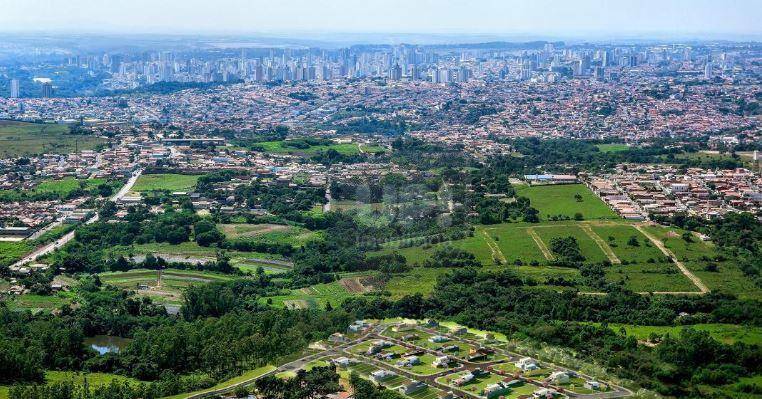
column 628, row 243
column 318, row 295
column 11, row 251
column 650, row 277
column 727, row 333
column 271, row 233
column 93, row 379
column 250, row 230
column 703, row 260
column 589, row 248
column 516, row 243
column 23, row 139
column 165, row 286
column 39, row 303
column 165, row 182
column 61, row 188
column 613, row 147
column 560, row 200
column 282, row 147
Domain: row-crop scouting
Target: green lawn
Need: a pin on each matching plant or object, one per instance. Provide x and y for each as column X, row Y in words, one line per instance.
column 560, row 200
column 165, row 182
column 24, row 139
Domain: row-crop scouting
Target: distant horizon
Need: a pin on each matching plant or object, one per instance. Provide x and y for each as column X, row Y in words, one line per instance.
column 538, row 19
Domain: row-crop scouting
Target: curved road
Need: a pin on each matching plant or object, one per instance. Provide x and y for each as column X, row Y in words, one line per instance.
column 48, row 248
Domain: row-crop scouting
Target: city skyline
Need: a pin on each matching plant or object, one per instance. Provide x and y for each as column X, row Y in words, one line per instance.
column 587, row 19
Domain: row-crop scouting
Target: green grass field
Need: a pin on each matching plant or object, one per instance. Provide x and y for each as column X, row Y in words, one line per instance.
column 612, row 147
column 621, row 234
column 560, row 200
column 165, row 182
column 278, row 147
column 697, row 255
column 39, row 303
column 24, row 139
column 590, row 250
column 11, row 251
column 727, row 333
column 647, row 277
column 169, row 289
column 62, row 188
column 228, row 383
column 271, row 233
column 93, row 379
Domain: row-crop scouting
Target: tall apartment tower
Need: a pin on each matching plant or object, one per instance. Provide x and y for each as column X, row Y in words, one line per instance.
column 15, row 92
column 47, row 90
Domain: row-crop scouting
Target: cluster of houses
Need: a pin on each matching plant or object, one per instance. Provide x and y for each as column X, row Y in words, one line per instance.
column 637, row 191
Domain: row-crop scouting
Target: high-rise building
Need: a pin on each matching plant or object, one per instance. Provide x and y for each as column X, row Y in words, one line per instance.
column 47, row 90
column 708, row 71
column 15, row 92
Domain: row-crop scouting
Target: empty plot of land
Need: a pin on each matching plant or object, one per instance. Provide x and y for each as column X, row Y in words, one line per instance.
column 562, row 200
column 589, row 248
column 165, row 182
column 628, row 243
column 23, row 139
column 250, row 230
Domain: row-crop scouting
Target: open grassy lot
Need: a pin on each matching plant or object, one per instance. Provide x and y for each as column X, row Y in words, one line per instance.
column 419, row 280
column 617, row 238
column 228, row 383
column 612, row 147
column 727, row 333
column 590, row 250
column 272, row 233
column 649, row 277
column 165, row 182
column 515, row 243
column 61, row 188
column 11, row 251
column 281, row 147
column 698, row 255
column 39, row 303
column 239, row 230
column 684, row 250
column 23, row 139
column 314, row 296
column 165, row 287
column 93, row 379
column 560, row 200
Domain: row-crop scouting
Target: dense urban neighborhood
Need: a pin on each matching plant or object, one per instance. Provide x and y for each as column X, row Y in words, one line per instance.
column 225, row 216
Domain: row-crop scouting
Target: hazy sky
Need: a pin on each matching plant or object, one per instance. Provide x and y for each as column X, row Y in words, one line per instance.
column 533, row 17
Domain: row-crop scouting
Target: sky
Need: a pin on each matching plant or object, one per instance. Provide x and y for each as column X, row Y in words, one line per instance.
column 578, row 18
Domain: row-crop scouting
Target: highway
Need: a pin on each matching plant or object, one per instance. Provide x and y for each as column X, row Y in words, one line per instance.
column 48, row 248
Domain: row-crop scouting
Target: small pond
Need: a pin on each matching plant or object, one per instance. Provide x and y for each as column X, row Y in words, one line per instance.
column 107, row 343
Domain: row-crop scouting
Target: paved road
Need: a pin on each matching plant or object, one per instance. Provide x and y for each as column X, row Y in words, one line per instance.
column 48, row 248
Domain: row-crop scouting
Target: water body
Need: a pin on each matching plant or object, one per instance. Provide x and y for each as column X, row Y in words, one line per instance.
column 107, row 343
